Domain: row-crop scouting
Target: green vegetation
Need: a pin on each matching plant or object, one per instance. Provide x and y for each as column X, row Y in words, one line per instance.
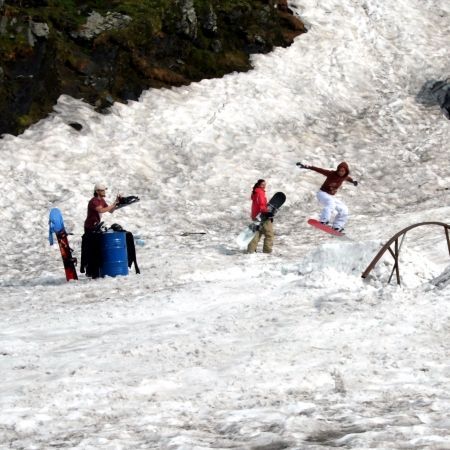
column 166, row 43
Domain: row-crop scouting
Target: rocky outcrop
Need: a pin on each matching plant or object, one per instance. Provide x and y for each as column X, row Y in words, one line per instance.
column 435, row 92
column 107, row 51
column 97, row 24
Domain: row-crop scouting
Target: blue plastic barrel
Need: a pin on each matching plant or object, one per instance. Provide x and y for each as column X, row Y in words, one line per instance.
column 114, row 254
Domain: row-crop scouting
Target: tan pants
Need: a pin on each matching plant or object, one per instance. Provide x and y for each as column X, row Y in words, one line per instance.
column 266, row 230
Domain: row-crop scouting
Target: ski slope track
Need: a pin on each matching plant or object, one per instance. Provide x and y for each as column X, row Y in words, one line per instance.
column 210, row 347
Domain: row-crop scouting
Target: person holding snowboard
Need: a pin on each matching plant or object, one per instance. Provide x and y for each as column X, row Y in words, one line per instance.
column 326, row 194
column 90, row 243
column 97, row 206
column 259, row 206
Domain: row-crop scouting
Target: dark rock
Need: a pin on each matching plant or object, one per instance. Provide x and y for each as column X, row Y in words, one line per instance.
column 76, row 126
column 292, row 22
column 96, row 24
column 209, row 23
column 216, row 46
column 188, row 25
column 32, row 3
column 40, row 30
column 3, row 25
column 436, row 92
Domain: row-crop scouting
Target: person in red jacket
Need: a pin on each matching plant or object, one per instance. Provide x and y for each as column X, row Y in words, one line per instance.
column 326, row 194
column 259, row 206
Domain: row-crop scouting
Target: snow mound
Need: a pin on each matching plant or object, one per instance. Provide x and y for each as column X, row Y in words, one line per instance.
column 341, row 262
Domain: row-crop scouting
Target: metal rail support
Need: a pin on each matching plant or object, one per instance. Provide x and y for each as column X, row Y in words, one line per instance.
column 396, row 251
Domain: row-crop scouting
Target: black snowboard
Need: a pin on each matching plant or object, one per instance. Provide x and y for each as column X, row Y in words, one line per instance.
column 125, row 201
column 276, row 202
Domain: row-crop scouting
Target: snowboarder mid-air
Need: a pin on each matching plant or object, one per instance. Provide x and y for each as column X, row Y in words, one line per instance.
column 326, row 194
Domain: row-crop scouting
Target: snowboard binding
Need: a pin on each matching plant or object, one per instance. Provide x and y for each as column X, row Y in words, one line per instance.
column 99, row 228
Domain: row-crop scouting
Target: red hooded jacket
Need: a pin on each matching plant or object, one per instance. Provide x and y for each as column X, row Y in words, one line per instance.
column 259, row 202
column 333, row 181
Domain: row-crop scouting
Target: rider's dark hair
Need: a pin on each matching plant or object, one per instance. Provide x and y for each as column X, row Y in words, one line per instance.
column 258, row 184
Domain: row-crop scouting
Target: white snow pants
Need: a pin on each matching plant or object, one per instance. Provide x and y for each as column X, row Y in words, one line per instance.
column 330, row 205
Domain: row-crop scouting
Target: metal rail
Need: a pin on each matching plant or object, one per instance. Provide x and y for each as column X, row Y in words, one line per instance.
column 396, row 251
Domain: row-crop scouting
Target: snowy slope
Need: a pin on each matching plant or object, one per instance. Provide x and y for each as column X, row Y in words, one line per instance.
column 210, row 347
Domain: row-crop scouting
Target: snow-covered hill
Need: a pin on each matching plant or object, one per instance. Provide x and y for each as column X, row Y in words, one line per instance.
column 210, row 347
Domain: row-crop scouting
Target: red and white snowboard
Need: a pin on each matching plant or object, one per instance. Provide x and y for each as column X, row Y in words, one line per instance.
column 316, row 224
column 56, row 225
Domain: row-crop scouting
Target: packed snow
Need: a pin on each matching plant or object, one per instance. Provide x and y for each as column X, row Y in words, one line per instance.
column 210, row 347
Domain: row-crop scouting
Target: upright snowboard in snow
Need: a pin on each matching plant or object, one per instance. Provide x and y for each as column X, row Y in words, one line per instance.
column 56, row 225
column 321, row 226
column 248, row 234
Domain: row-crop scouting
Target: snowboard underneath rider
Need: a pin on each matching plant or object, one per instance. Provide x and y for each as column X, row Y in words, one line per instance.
column 259, row 206
column 326, row 194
